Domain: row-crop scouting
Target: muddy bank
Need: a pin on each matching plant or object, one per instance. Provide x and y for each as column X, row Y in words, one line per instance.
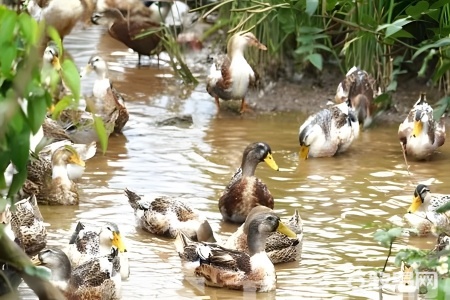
column 313, row 92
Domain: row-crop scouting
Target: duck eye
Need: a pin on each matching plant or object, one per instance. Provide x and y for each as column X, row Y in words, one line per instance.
column 109, row 228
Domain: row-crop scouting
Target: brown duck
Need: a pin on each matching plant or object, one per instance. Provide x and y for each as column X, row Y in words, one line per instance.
column 221, row 267
column 231, row 76
column 245, row 190
column 360, row 88
column 126, row 30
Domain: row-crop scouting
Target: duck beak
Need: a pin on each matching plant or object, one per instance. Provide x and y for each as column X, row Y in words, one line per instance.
column 285, row 230
column 55, row 63
column 118, row 242
column 88, row 69
column 271, row 162
column 417, row 201
column 304, row 151
column 261, row 46
column 417, row 128
column 35, row 260
column 77, row 160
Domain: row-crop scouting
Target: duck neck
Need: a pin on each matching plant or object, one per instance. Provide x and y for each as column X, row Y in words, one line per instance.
column 256, row 241
column 60, row 171
column 248, row 168
column 235, row 50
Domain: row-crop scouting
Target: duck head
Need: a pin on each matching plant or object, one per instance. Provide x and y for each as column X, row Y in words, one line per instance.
column 64, row 156
column 110, row 236
column 239, row 41
column 96, row 64
column 58, row 263
column 51, row 56
column 254, row 154
column 421, row 194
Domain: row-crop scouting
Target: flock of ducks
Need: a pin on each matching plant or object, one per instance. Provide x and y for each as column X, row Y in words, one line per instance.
column 95, row 261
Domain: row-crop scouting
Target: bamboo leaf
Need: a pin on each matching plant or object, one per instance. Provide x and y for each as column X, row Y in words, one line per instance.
column 7, row 26
column 9, row 53
column 71, row 78
column 28, row 26
column 101, row 132
column 440, row 43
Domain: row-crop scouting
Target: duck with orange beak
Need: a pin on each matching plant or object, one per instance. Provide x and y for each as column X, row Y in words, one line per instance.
column 419, row 133
column 231, row 76
column 424, row 205
column 86, row 244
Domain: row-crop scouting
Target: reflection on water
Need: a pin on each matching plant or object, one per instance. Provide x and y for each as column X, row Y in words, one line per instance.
column 337, row 197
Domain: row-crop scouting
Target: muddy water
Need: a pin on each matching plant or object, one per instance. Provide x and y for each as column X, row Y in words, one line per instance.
column 337, row 197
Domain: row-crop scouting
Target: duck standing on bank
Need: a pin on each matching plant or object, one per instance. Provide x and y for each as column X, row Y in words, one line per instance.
column 231, row 76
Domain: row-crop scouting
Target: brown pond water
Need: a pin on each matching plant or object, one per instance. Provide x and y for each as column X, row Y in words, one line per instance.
column 337, row 197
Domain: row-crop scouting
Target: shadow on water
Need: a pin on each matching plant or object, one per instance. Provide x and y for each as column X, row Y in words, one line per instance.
column 337, row 197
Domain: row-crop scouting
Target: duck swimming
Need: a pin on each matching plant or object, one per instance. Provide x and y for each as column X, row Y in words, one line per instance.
column 360, row 88
column 86, row 244
column 165, row 216
column 329, row 131
column 93, row 279
column 422, row 213
column 279, row 247
column 245, row 190
column 419, row 133
column 221, row 267
column 52, row 180
column 231, row 76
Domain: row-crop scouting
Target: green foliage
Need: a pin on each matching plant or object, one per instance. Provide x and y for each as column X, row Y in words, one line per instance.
column 26, row 90
column 386, row 237
column 380, row 37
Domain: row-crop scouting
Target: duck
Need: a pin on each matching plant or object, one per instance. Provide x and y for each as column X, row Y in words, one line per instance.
column 245, row 190
column 50, row 179
column 360, row 87
column 328, row 132
column 279, row 247
column 86, row 243
column 24, row 225
column 225, row 268
column 126, row 29
column 27, row 225
column 62, row 15
column 231, row 76
column 107, row 98
column 94, row 279
column 165, row 216
column 422, row 213
column 419, row 133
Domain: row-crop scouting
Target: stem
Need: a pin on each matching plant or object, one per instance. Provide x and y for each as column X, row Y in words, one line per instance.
column 387, row 258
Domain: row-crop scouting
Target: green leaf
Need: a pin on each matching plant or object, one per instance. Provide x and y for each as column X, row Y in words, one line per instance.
column 101, row 132
column 37, row 110
column 71, row 78
column 20, row 146
column 443, row 208
column 9, row 53
column 62, row 104
column 417, row 10
column 18, row 179
column 28, row 26
column 38, row 271
column 7, row 27
column 54, row 35
column 395, row 232
column 382, row 237
column 442, row 68
column 394, row 27
column 316, row 60
column 311, row 6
